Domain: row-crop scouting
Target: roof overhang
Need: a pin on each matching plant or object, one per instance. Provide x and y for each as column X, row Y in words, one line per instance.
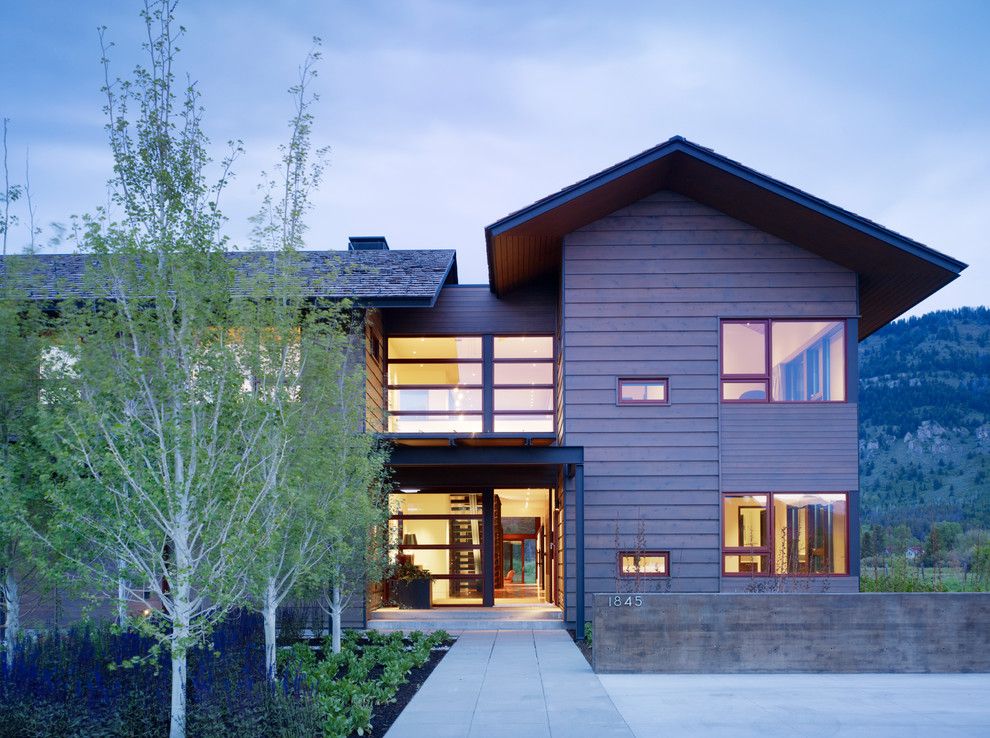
column 895, row 272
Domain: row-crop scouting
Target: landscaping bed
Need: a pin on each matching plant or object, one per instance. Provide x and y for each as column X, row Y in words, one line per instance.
column 94, row 681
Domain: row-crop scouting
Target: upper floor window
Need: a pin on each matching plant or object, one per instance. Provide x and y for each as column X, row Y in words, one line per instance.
column 783, row 360
column 440, row 384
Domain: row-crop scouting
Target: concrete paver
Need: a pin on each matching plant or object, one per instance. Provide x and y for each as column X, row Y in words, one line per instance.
column 511, row 683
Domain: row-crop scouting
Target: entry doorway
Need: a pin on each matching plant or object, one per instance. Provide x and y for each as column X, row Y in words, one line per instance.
column 523, row 525
column 444, row 532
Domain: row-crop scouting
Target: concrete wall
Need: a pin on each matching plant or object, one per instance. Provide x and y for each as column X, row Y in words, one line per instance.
column 735, row 633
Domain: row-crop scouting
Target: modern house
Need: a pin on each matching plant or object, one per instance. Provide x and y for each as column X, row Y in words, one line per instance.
column 656, row 390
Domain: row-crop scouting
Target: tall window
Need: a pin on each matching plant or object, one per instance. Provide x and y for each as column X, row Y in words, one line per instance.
column 523, row 380
column 438, row 384
column 783, row 361
column 785, row 534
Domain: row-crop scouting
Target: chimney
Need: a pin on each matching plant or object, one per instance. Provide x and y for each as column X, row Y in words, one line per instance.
column 367, row 243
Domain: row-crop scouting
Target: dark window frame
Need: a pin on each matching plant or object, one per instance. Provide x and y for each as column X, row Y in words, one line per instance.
column 665, row 381
column 766, row 378
column 665, row 555
column 769, row 549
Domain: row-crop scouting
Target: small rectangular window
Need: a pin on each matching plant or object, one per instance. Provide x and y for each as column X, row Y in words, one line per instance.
column 644, row 564
column 642, row 391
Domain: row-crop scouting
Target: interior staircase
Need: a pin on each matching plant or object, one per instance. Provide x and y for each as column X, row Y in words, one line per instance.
column 467, row 532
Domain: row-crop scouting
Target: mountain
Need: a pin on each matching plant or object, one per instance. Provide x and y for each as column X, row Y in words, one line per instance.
column 924, row 440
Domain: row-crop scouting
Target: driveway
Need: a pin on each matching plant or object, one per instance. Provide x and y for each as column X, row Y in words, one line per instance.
column 768, row 705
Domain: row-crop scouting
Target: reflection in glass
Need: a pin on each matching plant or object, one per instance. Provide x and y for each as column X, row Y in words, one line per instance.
column 752, row 391
column 523, row 424
column 744, row 348
column 525, row 373
column 810, row 533
column 434, row 423
column 633, row 391
column 452, row 400
column 534, row 400
column 808, row 360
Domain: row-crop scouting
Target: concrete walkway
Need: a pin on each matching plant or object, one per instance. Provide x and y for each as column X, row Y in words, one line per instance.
column 770, row 705
column 523, row 684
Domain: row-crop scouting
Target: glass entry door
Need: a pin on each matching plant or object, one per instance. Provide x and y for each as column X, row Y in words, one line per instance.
column 442, row 533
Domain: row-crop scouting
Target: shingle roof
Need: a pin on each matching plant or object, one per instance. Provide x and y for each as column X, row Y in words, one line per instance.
column 410, row 277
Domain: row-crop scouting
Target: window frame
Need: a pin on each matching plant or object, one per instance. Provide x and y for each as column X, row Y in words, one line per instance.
column 665, row 555
column 767, row 378
column 770, row 549
column 487, row 362
column 665, row 381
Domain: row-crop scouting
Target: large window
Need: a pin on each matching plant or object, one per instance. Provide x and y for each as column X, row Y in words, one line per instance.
column 783, row 361
column 785, row 534
column 438, row 384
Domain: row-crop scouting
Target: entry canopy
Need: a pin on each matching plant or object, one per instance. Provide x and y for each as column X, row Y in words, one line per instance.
column 895, row 272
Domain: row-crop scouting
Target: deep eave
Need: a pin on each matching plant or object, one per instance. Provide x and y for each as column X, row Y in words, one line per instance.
column 895, row 272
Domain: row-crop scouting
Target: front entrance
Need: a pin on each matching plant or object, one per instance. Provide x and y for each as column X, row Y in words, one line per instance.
column 445, row 534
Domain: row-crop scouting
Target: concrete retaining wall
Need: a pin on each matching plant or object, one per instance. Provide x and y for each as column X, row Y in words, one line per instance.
column 832, row 632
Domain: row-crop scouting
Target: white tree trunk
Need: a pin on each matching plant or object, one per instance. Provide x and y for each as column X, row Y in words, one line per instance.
column 269, row 608
column 335, row 608
column 177, row 726
column 12, row 599
column 121, row 601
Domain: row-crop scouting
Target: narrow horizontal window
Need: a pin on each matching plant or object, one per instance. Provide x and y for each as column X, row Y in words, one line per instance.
column 435, row 347
column 536, row 423
column 434, row 423
column 644, row 564
column 523, row 347
column 434, row 374
column 642, row 391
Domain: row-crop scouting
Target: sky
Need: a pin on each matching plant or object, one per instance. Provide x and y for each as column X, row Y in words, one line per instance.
column 442, row 117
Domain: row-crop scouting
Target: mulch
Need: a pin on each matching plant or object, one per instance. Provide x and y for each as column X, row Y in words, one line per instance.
column 385, row 715
column 584, row 647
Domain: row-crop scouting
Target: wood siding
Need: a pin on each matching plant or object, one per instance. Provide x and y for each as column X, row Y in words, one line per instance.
column 473, row 309
column 643, row 292
column 374, row 359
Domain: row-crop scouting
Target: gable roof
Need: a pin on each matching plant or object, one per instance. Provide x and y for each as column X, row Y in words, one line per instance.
column 895, row 272
column 400, row 278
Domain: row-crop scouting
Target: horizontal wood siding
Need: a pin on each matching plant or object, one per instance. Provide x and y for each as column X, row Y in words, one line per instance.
column 474, row 309
column 781, row 448
column 643, row 292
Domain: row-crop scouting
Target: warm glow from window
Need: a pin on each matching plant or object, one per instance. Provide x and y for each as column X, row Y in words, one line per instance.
column 436, row 384
column 785, row 533
column 807, row 361
column 650, row 564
